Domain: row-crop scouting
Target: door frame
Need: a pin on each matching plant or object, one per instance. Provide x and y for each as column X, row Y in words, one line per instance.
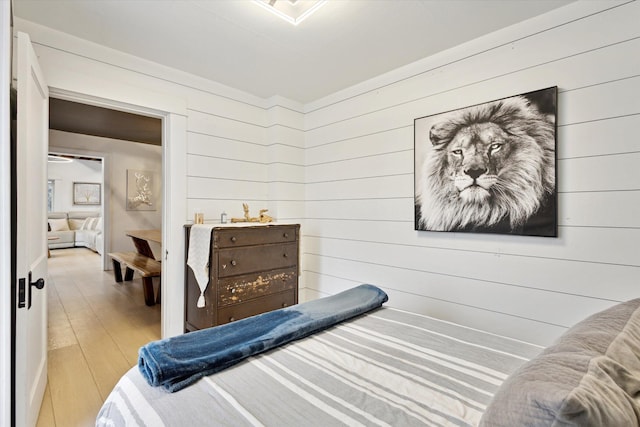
column 105, row 208
column 29, row 241
column 173, row 113
column 78, row 87
column 5, row 215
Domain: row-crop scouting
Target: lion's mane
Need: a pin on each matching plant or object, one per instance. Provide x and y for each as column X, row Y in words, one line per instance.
column 523, row 184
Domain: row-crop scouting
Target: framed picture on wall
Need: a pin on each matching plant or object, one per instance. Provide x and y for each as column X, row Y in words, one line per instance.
column 489, row 168
column 141, row 190
column 86, row 193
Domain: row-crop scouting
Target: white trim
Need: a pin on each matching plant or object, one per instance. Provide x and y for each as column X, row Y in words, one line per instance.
column 5, row 215
column 110, row 94
column 55, row 39
column 173, row 113
column 174, row 214
column 510, row 34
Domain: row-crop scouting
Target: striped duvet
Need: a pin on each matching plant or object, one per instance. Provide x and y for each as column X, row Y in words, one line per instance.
column 386, row 368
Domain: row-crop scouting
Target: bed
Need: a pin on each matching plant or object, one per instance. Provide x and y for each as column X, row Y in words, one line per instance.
column 386, row 367
column 391, row 367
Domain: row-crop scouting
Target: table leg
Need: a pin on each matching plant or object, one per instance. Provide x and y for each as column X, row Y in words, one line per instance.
column 147, row 288
column 142, row 246
column 117, row 271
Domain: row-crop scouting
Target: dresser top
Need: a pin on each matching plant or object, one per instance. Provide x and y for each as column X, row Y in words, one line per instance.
column 246, row 224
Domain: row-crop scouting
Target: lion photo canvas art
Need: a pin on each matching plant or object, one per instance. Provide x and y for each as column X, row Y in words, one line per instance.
column 489, row 168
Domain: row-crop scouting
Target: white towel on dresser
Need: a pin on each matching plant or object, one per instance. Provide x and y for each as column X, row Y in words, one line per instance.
column 198, row 256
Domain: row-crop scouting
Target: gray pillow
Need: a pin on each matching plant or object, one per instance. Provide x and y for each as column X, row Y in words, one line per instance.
column 589, row 377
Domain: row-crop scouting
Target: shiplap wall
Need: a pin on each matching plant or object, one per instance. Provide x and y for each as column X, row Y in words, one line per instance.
column 237, row 147
column 359, row 150
column 236, row 142
column 343, row 167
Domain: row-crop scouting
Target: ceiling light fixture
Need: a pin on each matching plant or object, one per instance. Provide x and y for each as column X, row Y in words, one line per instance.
column 292, row 11
column 52, row 158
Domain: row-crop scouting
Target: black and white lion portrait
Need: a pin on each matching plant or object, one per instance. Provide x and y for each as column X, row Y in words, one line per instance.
column 489, row 168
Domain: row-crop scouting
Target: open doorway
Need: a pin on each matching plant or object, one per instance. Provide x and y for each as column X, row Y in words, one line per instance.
column 172, row 113
column 75, row 202
column 129, row 145
column 97, row 326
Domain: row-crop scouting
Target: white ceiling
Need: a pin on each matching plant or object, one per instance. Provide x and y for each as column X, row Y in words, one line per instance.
column 239, row 44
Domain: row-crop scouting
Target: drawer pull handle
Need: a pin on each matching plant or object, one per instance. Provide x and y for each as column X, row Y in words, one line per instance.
column 232, row 319
column 233, row 239
column 285, row 235
column 285, row 255
column 284, row 304
column 233, row 262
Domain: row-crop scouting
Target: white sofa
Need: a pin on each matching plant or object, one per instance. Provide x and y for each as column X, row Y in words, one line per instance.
column 74, row 229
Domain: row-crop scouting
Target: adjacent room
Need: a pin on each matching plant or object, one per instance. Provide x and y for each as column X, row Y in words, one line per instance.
column 466, row 165
column 86, row 361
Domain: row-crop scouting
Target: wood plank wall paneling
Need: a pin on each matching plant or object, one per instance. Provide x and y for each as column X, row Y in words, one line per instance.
column 239, row 147
column 343, row 167
column 359, row 224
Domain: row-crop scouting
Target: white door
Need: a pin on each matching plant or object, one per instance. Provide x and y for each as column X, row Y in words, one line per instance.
column 31, row 234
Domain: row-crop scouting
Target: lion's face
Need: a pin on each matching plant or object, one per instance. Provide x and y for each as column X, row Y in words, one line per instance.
column 475, row 157
column 488, row 164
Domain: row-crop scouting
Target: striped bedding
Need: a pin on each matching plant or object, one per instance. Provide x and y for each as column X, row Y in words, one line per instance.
column 386, row 368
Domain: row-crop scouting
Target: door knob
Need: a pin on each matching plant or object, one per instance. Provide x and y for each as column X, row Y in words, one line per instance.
column 39, row 284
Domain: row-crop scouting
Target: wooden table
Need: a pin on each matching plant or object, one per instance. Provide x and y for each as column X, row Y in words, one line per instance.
column 143, row 261
column 141, row 239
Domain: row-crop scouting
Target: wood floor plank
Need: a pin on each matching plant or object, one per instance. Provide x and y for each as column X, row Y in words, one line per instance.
column 46, row 417
column 60, row 332
column 105, row 360
column 96, row 328
column 74, row 394
column 60, row 336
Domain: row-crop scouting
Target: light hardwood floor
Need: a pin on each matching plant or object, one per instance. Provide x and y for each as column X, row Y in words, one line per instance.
column 96, row 327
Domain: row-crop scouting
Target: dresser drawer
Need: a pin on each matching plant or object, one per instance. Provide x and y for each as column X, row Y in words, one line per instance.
column 254, row 269
column 256, row 306
column 251, row 259
column 259, row 235
column 239, row 289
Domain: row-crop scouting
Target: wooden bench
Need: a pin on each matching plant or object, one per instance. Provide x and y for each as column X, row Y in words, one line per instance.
column 147, row 268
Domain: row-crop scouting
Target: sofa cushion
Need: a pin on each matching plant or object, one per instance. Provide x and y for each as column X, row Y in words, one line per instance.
column 75, row 224
column 57, row 215
column 65, row 239
column 589, row 377
column 82, row 214
column 90, row 223
column 59, row 224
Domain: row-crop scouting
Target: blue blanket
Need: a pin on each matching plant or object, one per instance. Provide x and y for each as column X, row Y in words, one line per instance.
column 175, row 363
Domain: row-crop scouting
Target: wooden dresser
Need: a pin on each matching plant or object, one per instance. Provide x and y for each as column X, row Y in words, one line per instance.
column 253, row 269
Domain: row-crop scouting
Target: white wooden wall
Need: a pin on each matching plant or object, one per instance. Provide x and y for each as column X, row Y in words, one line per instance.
column 343, row 167
column 236, row 142
column 236, row 148
column 359, row 148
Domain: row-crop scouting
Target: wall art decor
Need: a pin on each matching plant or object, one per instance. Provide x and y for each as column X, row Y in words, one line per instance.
column 489, row 168
column 140, row 190
column 86, row 193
